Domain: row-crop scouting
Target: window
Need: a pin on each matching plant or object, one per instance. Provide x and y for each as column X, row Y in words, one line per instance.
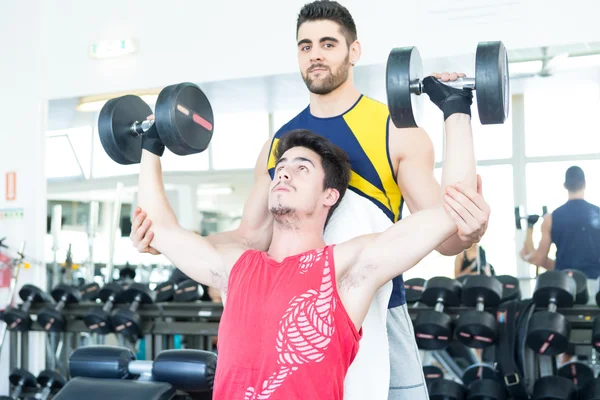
column 499, row 240
column 282, row 117
column 562, row 120
column 104, row 166
column 192, row 162
column 68, row 152
column 238, row 139
column 492, row 142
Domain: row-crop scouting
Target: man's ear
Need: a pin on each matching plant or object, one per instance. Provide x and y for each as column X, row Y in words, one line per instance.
column 331, row 197
column 355, row 51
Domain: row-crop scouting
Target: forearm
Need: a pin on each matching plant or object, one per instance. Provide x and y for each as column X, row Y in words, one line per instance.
column 152, row 197
column 528, row 246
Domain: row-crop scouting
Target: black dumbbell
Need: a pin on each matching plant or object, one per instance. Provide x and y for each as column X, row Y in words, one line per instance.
column 18, row 319
column 50, row 381
column 433, row 328
column 414, row 289
column 548, row 331
column 164, row 291
column 510, row 287
column 89, row 291
column 98, row 320
column 592, row 391
column 579, row 373
column 482, row 382
column 554, row 387
column 477, row 328
column 531, row 219
column 582, row 296
column 20, row 379
column 126, row 321
column 432, row 373
column 188, row 291
column 445, row 389
column 51, row 318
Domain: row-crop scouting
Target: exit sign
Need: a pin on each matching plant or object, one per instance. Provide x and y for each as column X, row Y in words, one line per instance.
column 112, row 48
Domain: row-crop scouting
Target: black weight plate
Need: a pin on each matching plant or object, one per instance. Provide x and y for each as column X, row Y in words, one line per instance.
column 98, row 321
column 510, row 287
column 29, row 381
column 548, row 333
column 187, row 291
column 492, row 86
column 441, row 287
column 184, row 118
column 51, row 320
column 478, row 372
column 127, row 323
column 483, row 287
column 72, row 294
column 17, row 320
column 431, row 373
column 89, row 292
column 592, row 392
column 445, row 389
column 579, row 373
column 413, row 289
column 553, row 388
column 136, row 289
column 554, row 285
column 476, row 329
column 404, row 71
column 164, row 291
column 37, row 294
column 582, row 295
column 433, row 330
column 114, row 127
column 108, row 290
column 52, row 379
column 486, row 389
column 596, row 333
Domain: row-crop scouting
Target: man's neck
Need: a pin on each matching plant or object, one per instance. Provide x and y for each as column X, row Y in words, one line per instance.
column 579, row 195
column 335, row 103
column 294, row 238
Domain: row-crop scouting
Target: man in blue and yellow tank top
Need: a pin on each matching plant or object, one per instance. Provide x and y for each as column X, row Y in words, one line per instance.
column 390, row 167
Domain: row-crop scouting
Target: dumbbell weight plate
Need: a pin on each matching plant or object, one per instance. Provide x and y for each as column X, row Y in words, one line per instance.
column 444, row 389
column 433, row 330
column 127, row 323
column 98, row 321
column 404, row 70
column 478, row 372
column 579, row 373
column 18, row 373
column 554, row 284
column 413, row 288
column 486, row 389
column 554, row 388
column 51, row 378
column 114, row 126
column 432, row 373
column 52, row 320
column 548, row 333
column 164, row 291
column 18, row 320
column 582, row 295
column 89, row 292
column 510, row 287
column 188, row 291
column 476, row 329
column 492, row 83
column 184, row 118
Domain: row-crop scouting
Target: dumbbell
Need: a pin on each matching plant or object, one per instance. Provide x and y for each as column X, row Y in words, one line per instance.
column 165, row 291
column 50, row 381
column 511, row 289
column 548, row 331
column 98, row 320
column 445, row 389
column 188, row 291
column 482, row 382
column 531, row 219
column 20, row 379
column 183, row 121
column 477, row 328
column 433, row 328
column 89, row 291
column 52, row 319
column 413, row 288
column 126, row 321
column 554, row 387
column 577, row 372
column 404, row 84
column 582, row 296
column 18, row 319
column 432, row 373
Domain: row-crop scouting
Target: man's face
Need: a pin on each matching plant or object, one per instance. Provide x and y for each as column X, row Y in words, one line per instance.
column 297, row 186
column 323, row 56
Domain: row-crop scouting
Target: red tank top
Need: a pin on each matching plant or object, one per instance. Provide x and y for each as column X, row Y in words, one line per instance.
column 284, row 333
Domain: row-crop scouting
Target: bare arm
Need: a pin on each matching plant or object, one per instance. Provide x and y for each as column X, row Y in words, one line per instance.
column 191, row 253
column 458, row 264
column 539, row 256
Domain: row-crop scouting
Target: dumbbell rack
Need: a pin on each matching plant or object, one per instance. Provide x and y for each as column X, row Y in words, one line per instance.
column 198, row 320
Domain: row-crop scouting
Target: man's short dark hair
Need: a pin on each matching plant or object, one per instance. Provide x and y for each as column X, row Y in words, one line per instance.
column 334, row 160
column 574, row 179
column 332, row 11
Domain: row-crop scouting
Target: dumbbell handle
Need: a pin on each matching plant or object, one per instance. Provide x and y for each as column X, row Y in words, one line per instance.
column 46, row 391
column 18, row 389
column 139, row 128
column 136, row 303
column 27, row 303
column 109, row 304
column 61, row 303
column 480, row 306
column 460, row 83
column 552, row 305
column 439, row 306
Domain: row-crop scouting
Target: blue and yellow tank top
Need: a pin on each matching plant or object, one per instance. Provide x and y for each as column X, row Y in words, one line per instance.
column 362, row 132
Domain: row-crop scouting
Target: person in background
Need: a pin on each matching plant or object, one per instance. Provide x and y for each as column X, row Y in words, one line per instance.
column 472, row 261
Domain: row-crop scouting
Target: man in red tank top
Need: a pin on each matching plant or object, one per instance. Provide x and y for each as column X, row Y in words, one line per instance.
column 293, row 314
